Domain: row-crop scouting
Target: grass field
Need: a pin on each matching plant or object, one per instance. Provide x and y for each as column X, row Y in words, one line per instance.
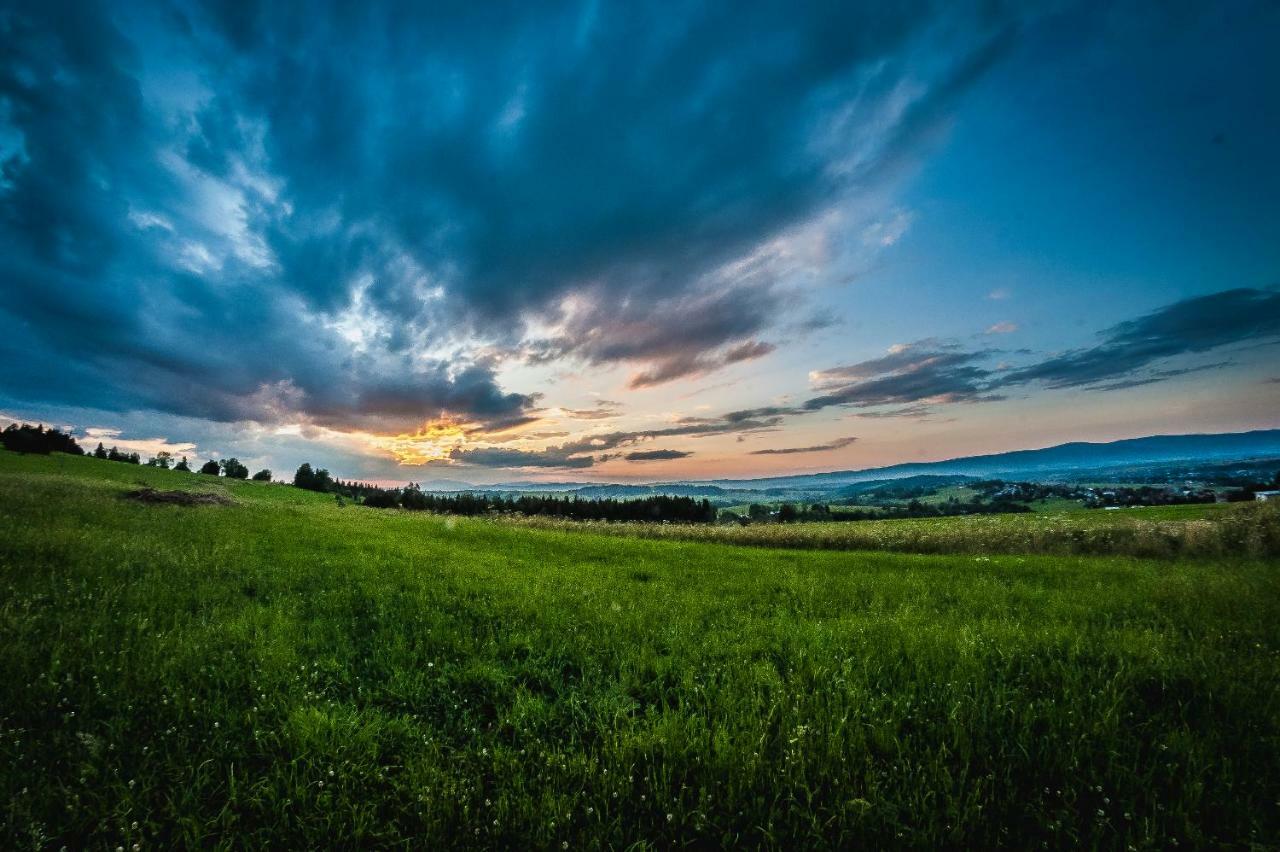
column 1214, row 530
column 287, row 672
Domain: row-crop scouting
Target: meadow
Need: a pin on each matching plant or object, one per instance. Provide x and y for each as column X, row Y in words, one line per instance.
column 284, row 671
column 1213, row 530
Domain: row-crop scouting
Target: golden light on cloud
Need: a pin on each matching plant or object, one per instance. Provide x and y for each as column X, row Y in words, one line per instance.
column 433, row 442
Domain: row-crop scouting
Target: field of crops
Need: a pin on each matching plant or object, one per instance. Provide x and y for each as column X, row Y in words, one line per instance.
column 289, row 672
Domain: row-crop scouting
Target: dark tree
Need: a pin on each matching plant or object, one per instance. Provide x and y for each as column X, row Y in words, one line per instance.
column 263, row 475
column 381, row 499
column 182, row 465
column 37, row 439
column 787, row 513
column 211, row 468
column 101, row 452
column 304, row 476
column 312, row 480
column 660, row 508
column 234, row 469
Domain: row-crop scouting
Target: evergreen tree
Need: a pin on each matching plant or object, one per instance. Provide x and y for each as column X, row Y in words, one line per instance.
column 25, row 438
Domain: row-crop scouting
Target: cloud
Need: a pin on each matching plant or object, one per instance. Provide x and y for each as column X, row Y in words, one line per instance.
column 923, row 372
column 586, row 450
column 694, row 365
column 515, row 458
column 911, row 377
column 1191, row 326
column 915, row 411
column 138, row 280
column 887, row 232
column 656, row 455
column 197, row 222
column 1002, row 328
column 837, row 444
column 604, row 410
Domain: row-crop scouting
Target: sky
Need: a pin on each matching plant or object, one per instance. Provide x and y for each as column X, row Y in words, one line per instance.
column 636, row 241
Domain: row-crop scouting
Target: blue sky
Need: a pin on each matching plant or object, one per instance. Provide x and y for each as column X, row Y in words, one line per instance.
column 629, row 241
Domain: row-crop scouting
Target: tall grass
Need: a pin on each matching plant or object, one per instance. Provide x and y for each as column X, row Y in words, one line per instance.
column 1228, row 531
column 284, row 672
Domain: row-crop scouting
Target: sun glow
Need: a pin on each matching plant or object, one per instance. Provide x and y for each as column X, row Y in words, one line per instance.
column 435, row 441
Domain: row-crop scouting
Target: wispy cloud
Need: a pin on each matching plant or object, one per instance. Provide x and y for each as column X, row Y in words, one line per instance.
column 656, row 455
column 837, row 444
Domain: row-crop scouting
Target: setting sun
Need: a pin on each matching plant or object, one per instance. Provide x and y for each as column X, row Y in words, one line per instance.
column 433, row 442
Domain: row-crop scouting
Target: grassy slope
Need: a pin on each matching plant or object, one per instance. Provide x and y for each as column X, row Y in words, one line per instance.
column 287, row 671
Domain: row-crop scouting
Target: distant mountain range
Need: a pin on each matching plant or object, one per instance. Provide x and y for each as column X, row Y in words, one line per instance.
column 1019, row 464
column 1078, row 455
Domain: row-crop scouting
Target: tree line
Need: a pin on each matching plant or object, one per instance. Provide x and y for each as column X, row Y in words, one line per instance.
column 789, row 513
column 24, row 438
column 659, row 508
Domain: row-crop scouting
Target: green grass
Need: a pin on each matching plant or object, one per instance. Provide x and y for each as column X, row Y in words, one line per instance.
column 289, row 673
column 1201, row 531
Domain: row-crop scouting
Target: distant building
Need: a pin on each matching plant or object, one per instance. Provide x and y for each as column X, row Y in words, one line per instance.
column 1266, row 495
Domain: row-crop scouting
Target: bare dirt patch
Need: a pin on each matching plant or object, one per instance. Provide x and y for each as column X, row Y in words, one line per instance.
column 177, row 498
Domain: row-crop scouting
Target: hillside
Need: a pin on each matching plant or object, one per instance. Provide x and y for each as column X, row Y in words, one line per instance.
column 296, row 673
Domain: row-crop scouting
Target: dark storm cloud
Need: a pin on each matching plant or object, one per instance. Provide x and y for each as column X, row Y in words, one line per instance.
column 194, row 196
column 557, row 146
column 837, row 444
column 683, row 334
column 657, row 455
column 134, row 281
